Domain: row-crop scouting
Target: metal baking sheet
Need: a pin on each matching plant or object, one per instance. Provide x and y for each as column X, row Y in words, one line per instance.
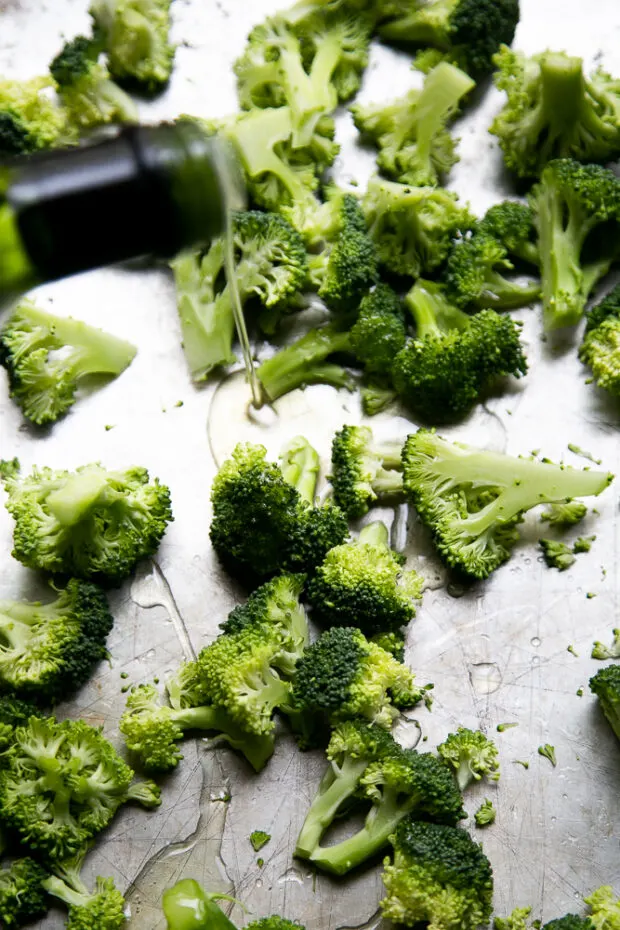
column 497, row 653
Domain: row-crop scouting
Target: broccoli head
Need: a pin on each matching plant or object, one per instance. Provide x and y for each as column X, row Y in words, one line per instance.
column 364, row 471
column 22, row 895
column 475, row 276
column 569, row 922
column 91, row 523
column 600, row 348
column 136, row 37
column 379, row 332
column 472, row 499
column 471, row 755
column 606, row 686
column 47, row 359
column 29, row 120
column 512, row 224
column 439, row 877
column 187, row 906
column 101, row 909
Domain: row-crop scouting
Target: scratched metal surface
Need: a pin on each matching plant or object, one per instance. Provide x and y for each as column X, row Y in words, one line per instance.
column 496, row 654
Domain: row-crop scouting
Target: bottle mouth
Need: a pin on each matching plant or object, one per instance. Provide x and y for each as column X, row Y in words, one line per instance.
column 223, row 159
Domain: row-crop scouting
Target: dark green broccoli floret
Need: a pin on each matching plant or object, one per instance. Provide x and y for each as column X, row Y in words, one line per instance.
column 270, row 265
column 101, row 909
column 136, row 37
column 47, row 651
column 363, row 471
column 512, row 224
column 379, row 332
column 29, row 120
column 475, row 276
column 187, row 906
column 466, row 32
column 569, row 922
column 471, row 755
column 413, row 227
column 576, row 213
column 14, row 713
column 554, row 111
column 48, row 357
column 454, row 358
column 600, row 348
column 606, row 686
column 366, row 764
column 439, row 877
column 363, row 584
column 472, row 499
column 22, row 895
column 414, row 144
column 304, row 362
column 91, row 523
column 557, row 554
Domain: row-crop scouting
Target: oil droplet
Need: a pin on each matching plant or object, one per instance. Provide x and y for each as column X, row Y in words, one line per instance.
column 535, row 641
column 259, row 883
column 407, row 732
column 535, row 660
column 291, row 875
column 150, row 589
column 485, row 677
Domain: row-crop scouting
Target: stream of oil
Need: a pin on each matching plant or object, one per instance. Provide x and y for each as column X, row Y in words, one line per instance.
column 237, row 308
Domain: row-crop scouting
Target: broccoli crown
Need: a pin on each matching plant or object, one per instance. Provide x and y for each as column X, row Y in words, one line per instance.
column 62, row 783
column 573, row 204
column 439, row 876
column 569, row 922
column 454, row 358
column 600, row 348
column 22, row 895
column 379, row 332
column 467, row 32
column 557, row 554
column 29, row 121
column 274, row 923
column 554, row 111
column 512, row 224
column 606, row 686
column 475, row 276
column 303, row 362
column 472, row 499
column 43, row 384
column 413, row 227
column 48, row 651
column 75, row 60
column 604, row 907
column 151, row 730
column 91, row 523
column 411, row 132
column 363, row 471
column 471, row 755
column 102, row 909
column 136, row 36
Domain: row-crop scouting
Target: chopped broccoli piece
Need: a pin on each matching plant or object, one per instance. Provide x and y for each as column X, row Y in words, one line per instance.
column 566, row 513
column 475, row 276
column 22, row 895
column 583, row 543
column 258, row 839
column 274, row 923
column 583, row 453
column 136, row 36
column 604, row 908
column 300, row 465
column 364, row 471
column 486, row 814
column 187, row 906
column 454, row 357
column 439, row 877
column 91, row 523
column 472, row 755
column 48, row 357
column 548, row 752
column 379, row 332
column 600, row 651
column 473, row 499
column 101, row 909
column 376, row 396
column 9, row 468
column 304, row 362
column 512, row 224
column 517, row 920
column 600, row 348
column 29, row 120
column 576, row 213
column 414, row 144
column 557, row 554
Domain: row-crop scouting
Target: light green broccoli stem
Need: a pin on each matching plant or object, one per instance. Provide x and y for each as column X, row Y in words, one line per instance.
column 300, row 364
column 13, row 634
column 76, row 498
column 423, row 27
column 339, row 783
column 71, row 896
column 443, row 89
column 256, row 748
column 432, row 313
column 300, row 465
column 320, row 97
column 375, row 534
column 566, row 98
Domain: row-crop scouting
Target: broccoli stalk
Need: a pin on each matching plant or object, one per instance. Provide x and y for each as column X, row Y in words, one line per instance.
column 136, row 36
column 303, row 363
column 101, row 909
column 187, row 906
column 300, row 466
column 364, row 471
column 600, row 348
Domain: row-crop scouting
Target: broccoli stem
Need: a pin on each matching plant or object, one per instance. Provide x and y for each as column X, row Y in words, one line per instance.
column 375, row 534
column 443, row 89
column 300, row 465
column 76, row 498
column 421, row 27
column 338, row 784
column 299, row 364
column 566, row 99
column 77, row 896
column 432, row 313
column 13, row 634
column 256, row 748
column 506, row 295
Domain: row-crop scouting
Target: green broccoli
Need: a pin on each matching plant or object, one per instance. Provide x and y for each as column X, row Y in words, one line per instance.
column 300, row 466
column 14, row 713
column 258, row 839
column 606, row 686
column 583, row 544
column 274, row 923
column 22, row 895
column 136, row 37
column 414, row 144
column 376, row 396
column 47, row 651
column 9, row 468
column 475, row 277
column 604, row 908
column 600, row 348
column 29, row 120
column 554, row 111
column 91, row 523
column 379, row 332
column 576, row 214
column 471, row 755
column 473, row 499
column 517, row 920
column 187, row 906
column 548, row 752
column 557, row 554
column 366, row 763
column 303, row 362
column 62, row 783
column 47, row 359
column 466, row 32
column 454, row 358
column 363, row 584
column 601, row 651
column 486, row 814
column 88, row 94
column 512, row 224
column 564, row 514
column 364, row 471
column 569, row 922
column 101, row 909
column 270, row 266
column 439, row 877
column 394, row 643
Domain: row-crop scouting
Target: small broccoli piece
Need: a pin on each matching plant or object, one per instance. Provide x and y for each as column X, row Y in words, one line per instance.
column 512, row 224
column 136, row 37
column 9, row 468
column 486, row 814
column 62, row 783
column 414, row 144
column 439, row 877
column 365, row 763
column 304, row 362
column 557, row 554
column 564, row 514
column 569, row 922
column 363, row 471
column 363, row 584
column 91, row 523
column 606, row 686
column 600, row 348
column 576, row 213
column 472, row 499
column 187, row 906
column 554, row 111
column 258, row 839
column 604, row 908
column 413, row 227
column 377, row 396
column 101, row 909
column 29, row 120
column 548, row 752
column 472, row 755
column 22, row 895
column 88, row 94
column 270, row 265
column 300, row 465
column 274, row 923
column 475, row 276
column 517, row 920
column 600, row 651
column 48, row 651
column 583, row 544
column 379, row 332
column 48, row 357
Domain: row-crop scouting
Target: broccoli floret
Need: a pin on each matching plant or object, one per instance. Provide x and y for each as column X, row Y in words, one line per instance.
column 379, row 332
column 101, row 909
column 600, row 651
column 600, row 348
column 472, row 499
column 47, row 651
column 363, row 584
column 486, row 814
column 439, row 877
column 475, row 276
column 576, row 213
column 564, row 514
column 270, row 265
column 569, row 922
column 394, row 643
column 136, row 36
column 91, row 523
column 364, row 471
column 466, row 32
column 365, row 763
column 554, row 111
column 9, row 468
column 85, row 88
column 62, row 783
column 377, row 395
column 414, row 144
column 187, row 906
column 48, row 357
column 22, row 895
column 454, row 358
column 472, row 755
column 517, row 920
column 557, row 554
column 274, row 923
column 512, row 224
column 29, row 120
column 304, row 362
column 606, row 686
column 604, row 908
column 413, row 227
